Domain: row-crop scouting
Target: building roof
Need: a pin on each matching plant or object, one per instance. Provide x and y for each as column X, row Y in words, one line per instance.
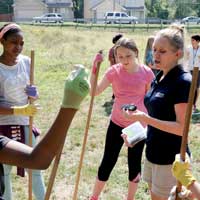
column 134, row 7
column 96, row 5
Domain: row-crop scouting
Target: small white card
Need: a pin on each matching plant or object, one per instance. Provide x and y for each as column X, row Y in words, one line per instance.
column 135, row 133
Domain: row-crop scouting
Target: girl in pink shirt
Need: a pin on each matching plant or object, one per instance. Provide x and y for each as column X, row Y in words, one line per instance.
column 130, row 82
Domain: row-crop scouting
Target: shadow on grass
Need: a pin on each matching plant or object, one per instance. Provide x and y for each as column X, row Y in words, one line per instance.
column 196, row 117
column 108, row 107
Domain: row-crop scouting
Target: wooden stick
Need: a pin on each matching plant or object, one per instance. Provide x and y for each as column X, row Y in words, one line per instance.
column 53, row 173
column 31, row 124
column 86, row 133
column 58, row 156
column 187, row 122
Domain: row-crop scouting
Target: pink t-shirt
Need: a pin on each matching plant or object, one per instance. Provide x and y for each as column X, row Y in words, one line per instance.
column 128, row 88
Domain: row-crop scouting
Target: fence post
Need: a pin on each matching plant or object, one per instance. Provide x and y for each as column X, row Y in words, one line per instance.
column 147, row 25
column 133, row 27
column 161, row 25
column 119, row 25
column 76, row 26
column 91, row 23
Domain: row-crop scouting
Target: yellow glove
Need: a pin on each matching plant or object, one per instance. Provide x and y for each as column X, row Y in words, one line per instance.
column 181, row 171
column 26, row 110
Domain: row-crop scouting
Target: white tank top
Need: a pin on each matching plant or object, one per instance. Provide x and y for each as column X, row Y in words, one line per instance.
column 13, row 80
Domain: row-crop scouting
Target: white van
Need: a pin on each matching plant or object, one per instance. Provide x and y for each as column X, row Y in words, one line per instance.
column 119, row 18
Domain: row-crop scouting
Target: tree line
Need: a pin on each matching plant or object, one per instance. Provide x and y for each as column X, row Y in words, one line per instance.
column 172, row 9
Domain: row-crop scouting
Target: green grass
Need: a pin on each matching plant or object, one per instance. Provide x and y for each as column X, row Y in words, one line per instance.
column 57, row 49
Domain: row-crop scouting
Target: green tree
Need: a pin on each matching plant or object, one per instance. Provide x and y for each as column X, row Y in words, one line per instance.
column 149, row 8
column 162, row 9
column 78, row 8
column 157, row 8
column 197, row 7
column 184, row 8
column 6, row 6
column 175, row 9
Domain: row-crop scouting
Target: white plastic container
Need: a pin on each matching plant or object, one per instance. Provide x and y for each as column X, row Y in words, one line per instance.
column 135, row 133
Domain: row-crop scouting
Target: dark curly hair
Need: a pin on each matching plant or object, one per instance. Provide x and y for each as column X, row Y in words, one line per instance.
column 116, row 38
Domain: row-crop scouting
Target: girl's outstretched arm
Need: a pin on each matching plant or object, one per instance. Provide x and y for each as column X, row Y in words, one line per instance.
column 40, row 157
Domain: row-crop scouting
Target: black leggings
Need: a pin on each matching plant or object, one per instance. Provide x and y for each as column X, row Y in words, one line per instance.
column 113, row 145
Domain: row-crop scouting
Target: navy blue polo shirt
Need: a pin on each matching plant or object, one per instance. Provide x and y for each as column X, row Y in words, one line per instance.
column 161, row 146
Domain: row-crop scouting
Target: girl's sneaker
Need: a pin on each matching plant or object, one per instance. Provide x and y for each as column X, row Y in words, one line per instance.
column 93, row 198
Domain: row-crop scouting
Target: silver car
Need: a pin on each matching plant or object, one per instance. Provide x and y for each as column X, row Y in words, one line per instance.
column 49, row 18
column 190, row 20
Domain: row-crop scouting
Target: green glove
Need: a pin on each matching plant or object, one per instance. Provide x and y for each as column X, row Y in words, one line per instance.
column 76, row 88
column 181, row 171
column 26, row 110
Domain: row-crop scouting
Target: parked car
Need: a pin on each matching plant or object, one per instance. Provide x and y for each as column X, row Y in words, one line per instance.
column 119, row 18
column 190, row 20
column 49, row 18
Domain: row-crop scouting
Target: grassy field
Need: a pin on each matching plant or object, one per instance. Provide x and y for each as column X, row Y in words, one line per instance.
column 57, row 49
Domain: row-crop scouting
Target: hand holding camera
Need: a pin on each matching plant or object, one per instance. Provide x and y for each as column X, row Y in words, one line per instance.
column 129, row 107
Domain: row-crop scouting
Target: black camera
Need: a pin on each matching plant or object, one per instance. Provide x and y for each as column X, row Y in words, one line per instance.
column 129, row 107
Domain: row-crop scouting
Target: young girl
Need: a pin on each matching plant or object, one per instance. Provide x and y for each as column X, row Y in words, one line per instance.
column 15, row 91
column 148, row 57
column 130, row 82
column 111, row 54
column 193, row 56
column 166, row 103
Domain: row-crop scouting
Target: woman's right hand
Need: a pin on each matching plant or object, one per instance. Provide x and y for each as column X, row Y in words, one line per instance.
column 136, row 115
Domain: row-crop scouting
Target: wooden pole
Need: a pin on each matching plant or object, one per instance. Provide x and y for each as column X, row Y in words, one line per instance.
column 53, row 173
column 86, row 133
column 58, row 156
column 31, row 123
column 187, row 122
